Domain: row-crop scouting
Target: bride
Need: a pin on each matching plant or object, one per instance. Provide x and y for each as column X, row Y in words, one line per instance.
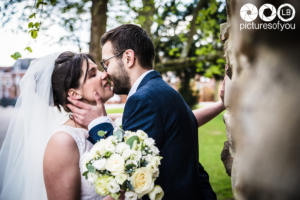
column 40, row 156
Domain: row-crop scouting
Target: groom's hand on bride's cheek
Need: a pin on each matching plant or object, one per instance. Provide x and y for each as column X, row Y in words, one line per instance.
column 84, row 113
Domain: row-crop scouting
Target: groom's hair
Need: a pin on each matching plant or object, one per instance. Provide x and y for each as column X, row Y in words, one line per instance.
column 130, row 36
column 66, row 74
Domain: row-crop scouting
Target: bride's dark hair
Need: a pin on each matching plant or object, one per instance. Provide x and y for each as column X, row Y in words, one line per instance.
column 66, row 75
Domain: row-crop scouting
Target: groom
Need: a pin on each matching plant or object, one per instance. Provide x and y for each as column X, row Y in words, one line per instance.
column 152, row 106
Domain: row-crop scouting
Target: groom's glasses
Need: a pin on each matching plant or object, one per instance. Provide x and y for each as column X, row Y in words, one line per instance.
column 104, row 61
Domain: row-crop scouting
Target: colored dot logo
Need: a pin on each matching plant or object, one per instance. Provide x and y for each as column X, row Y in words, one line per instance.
column 267, row 12
column 248, row 12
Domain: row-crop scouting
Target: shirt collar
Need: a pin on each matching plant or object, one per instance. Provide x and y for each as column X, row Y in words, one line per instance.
column 137, row 83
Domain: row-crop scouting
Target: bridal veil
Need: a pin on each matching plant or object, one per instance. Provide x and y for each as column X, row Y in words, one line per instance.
column 35, row 118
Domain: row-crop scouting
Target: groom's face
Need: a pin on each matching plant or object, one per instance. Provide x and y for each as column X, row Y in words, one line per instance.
column 116, row 69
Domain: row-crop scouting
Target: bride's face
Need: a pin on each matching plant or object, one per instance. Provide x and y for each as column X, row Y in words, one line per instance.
column 91, row 81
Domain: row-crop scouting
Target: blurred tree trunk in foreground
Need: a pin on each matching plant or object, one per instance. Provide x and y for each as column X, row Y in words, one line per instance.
column 262, row 99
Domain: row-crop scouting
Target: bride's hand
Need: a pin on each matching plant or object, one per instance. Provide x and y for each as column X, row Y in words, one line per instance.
column 84, row 113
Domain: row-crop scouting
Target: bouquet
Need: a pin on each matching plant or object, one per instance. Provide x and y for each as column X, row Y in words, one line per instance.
column 124, row 163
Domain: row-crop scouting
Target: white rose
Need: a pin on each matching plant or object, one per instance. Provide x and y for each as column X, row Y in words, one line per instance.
column 115, row 164
column 100, row 164
column 120, row 178
column 109, row 146
column 99, row 148
column 142, row 181
column 157, row 193
column 130, row 196
column 113, row 186
column 121, row 147
column 149, row 142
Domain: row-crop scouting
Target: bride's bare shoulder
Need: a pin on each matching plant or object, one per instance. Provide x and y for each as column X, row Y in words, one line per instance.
column 61, row 138
column 60, row 146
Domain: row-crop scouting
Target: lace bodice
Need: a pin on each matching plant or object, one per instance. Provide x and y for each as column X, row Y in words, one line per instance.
column 80, row 136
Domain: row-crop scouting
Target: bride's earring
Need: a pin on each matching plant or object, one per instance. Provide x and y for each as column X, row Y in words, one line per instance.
column 74, row 94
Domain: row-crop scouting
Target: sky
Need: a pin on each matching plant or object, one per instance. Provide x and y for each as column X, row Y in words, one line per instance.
column 12, row 42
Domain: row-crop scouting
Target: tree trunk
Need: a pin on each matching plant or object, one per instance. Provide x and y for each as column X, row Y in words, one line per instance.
column 98, row 27
column 147, row 11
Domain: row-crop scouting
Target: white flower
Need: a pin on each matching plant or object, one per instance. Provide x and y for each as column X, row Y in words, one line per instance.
column 141, row 134
column 129, row 162
column 136, row 155
column 98, row 148
column 157, row 193
column 149, row 142
column 87, row 157
column 128, row 134
column 101, row 185
column 112, row 139
column 109, row 146
column 130, row 195
column 153, row 163
column 154, row 150
column 153, row 168
column 120, row 178
column 121, row 147
column 142, row 181
column 115, row 164
column 113, row 186
column 127, row 153
column 100, row 164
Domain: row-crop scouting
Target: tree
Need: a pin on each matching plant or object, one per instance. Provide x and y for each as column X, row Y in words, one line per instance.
column 186, row 38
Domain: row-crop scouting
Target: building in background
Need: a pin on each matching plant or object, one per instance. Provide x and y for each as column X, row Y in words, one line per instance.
column 9, row 81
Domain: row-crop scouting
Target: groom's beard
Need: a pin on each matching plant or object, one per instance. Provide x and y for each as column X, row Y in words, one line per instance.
column 121, row 81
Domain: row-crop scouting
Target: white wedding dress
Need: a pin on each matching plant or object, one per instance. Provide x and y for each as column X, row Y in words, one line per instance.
column 80, row 136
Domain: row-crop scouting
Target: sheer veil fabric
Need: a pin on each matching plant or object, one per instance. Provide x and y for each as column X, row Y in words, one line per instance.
column 35, row 118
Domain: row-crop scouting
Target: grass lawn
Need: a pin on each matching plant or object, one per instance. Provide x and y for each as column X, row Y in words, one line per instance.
column 211, row 140
column 114, row 110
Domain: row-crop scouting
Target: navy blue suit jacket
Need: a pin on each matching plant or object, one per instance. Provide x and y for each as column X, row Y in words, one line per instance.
column 160, row 111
